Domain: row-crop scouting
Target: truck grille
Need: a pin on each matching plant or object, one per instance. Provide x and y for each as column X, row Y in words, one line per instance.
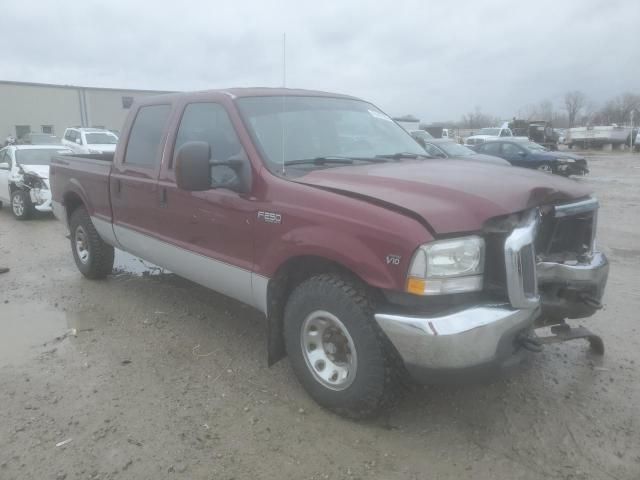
column 520, row 262
column 565, row 233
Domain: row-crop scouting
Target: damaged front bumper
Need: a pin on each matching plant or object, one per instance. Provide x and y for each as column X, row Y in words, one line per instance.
column 572, row 290
column 41, row 199
column 481, row 337
column 576, row 168
column 488, row 337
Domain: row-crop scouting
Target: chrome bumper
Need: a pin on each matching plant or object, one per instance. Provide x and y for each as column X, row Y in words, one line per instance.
column 480, row 335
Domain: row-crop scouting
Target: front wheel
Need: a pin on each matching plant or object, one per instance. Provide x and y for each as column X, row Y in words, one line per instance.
column 93, row 257
column 546, row 168
column 21, row 205
column 338, row 353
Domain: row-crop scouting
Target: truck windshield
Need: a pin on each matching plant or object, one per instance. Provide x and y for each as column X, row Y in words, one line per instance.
column 40, row 156
column 101, row 138
column 294, row 128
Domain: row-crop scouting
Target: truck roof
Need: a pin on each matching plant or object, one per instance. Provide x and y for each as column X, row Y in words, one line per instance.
column 240, row 93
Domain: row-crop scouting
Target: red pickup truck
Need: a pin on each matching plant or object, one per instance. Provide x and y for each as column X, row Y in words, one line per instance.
column 368, row 258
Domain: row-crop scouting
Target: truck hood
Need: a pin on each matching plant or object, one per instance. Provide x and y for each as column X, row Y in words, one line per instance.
column 450, row 195
column 40, row 170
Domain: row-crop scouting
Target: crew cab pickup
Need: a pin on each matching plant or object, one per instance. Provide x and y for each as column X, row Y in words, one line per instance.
column 368, row 259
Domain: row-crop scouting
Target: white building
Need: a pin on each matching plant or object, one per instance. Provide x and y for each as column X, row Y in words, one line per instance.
column 46, row 108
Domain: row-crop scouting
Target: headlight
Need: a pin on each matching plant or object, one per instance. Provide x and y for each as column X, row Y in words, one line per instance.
column 447, row 266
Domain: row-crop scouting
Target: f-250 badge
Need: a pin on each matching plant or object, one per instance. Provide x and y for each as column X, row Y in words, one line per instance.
column 270, row 217
column 393, row 259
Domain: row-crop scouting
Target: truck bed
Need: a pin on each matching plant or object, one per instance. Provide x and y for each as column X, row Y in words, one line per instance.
column 84, row 176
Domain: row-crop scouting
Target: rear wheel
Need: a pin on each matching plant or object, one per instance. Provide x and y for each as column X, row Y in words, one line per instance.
column 336, row 349
column 93, row 257
column 21, row 205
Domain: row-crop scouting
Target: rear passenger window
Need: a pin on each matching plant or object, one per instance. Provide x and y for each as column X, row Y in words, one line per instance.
column 145, row 140
column 209, row 122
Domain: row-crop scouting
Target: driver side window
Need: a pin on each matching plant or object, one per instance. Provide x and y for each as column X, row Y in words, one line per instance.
column 210, row 123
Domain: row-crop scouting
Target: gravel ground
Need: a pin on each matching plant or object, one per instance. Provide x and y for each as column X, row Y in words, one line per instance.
column 150, row 376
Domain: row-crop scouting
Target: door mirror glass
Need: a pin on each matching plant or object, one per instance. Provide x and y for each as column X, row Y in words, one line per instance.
column 193, row 170
column 4, row 166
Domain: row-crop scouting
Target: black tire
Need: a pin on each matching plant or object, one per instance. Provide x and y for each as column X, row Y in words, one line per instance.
column 98, row 262
column 21, row 206
column 378, row 378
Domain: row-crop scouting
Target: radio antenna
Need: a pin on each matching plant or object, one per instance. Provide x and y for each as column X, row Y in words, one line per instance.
column 284, row 85
column 284, row 60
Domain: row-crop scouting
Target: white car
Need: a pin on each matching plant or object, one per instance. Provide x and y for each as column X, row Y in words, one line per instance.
column 24, row 177
column 89, row 140
column 491, row 133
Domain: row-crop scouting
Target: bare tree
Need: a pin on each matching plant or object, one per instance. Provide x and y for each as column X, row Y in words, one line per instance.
column 574, row 102
column 477, row 119
column 618, row 110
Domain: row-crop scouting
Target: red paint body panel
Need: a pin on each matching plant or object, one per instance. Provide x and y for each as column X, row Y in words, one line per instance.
column 451, row 195
column 89, row 179
column 353, row 215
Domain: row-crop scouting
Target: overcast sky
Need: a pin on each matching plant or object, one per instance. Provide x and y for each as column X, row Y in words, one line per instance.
column 435, row 59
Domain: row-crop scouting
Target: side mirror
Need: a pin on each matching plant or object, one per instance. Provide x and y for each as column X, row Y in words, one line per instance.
column 4, row 166
column 79, row 141
column 193, row 171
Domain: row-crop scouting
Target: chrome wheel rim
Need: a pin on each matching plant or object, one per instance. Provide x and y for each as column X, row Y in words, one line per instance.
column 82, row 248
column 18, row 205
column 545, row 168
column 328, row 350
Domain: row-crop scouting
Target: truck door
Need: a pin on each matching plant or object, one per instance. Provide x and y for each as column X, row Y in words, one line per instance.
column 209, row 233
column 133, row 183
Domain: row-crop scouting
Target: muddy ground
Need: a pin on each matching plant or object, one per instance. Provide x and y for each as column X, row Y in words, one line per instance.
column 152, row 377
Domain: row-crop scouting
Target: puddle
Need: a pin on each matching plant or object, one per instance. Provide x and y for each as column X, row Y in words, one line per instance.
column 125, row 263
column 25, row 327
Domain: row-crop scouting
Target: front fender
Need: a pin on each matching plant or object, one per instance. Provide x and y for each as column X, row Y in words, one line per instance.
column 367, row 259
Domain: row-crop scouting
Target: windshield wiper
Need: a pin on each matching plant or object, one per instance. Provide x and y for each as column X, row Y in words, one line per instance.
column 403, row 155
column 335, row 159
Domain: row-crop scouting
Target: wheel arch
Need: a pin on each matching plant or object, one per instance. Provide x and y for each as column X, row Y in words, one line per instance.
column 72, row 200
column 290, row 274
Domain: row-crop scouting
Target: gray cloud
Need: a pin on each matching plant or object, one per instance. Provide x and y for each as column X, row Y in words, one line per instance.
column 437, row 60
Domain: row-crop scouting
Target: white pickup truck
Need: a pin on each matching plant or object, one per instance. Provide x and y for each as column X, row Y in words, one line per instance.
column 491, row 133
column 90, row 140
